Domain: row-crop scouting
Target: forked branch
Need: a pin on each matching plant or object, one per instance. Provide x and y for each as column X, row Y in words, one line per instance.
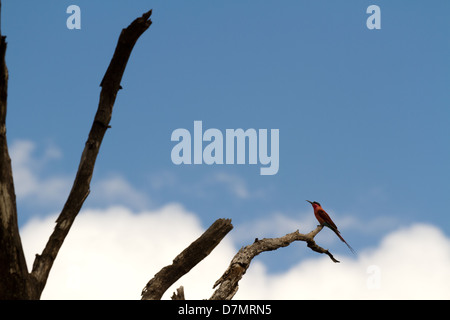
column 13, row 268
column 81, row 186
column 228, row 283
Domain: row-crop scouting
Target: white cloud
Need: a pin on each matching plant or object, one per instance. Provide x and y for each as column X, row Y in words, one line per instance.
column 410, row 263
column 279, row 223
column 164, row 179
column 274, row 225
column 33, row 186
column 235, row 184
column 115, row 189
column 27, row 168
column 218, row 183
column 112, row 253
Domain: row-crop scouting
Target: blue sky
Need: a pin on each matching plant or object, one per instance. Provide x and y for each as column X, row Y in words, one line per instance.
column 363, row 114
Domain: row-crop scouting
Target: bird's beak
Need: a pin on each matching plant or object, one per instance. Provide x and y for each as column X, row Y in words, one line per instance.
column 309, row 201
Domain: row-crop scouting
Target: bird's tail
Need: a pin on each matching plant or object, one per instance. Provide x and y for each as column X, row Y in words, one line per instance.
column 340, row 237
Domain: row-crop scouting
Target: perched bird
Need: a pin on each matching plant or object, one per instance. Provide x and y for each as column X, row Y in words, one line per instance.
column 325, row 220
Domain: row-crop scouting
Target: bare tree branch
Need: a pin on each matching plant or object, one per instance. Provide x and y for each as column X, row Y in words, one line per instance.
column 81, row 186
column 228, row 283
column 17, row 283
column 179, row 295
column 186, row 260
column 13, row 268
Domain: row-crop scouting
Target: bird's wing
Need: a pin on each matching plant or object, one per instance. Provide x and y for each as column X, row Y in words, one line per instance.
column 330, row 224
column 327, row 220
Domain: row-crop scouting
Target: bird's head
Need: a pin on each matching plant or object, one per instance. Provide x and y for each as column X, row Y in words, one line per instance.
column 315, row 204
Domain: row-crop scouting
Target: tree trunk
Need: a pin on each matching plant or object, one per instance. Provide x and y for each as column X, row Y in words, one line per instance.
column 15, row 281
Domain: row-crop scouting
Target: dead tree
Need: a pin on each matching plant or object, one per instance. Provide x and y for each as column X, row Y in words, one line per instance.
column 16, row 282
column 228, row 282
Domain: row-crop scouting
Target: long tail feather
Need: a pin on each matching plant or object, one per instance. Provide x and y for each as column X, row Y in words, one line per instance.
column 335, row 230
column 340, row 237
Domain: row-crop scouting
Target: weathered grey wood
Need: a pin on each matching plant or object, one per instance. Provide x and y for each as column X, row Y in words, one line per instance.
column 187, row 259
column 228, row 282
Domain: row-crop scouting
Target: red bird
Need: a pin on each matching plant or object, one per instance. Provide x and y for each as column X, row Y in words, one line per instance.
column 325, row 220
